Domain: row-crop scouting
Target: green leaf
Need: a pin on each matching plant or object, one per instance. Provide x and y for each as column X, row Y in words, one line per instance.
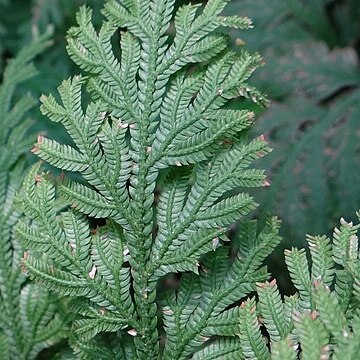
column 322, row 268
column 86, row 329
column 283, row 349
column 4, row 350
column 298, row 267
column 345, row 243
column 62, row 156
column 251, row 341
column 272, row 311
column 86, row 200
column 226, row 349
column 313, row 337
column 330, row 311
column 224, row 324
column 55, row 279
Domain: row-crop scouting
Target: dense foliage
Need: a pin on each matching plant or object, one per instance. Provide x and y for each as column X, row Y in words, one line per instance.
column 322, row 320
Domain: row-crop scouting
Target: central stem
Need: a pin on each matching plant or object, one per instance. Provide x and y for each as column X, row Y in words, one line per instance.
column 146, row 341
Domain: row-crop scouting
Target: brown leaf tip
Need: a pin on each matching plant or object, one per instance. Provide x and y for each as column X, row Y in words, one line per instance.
column 40, row 139
column 313, row 315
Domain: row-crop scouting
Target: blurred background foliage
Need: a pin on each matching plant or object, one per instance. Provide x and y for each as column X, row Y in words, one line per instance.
column 23, row 20
column 311, row 49
column 312, row 76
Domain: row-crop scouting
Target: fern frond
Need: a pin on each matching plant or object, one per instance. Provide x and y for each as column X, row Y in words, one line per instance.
column 212, row 181
column 117, row 347
column 272, row 311
column 220, row 286
column 90, row 273
column 60, row 155
column 257, row 249
column 345, row 243
column 349, row 345
column 42, row 316
column 322, row 320
column 251, row 340
column 330, row 311
column 94, row 349
column 313, row 337
column 226, row 349
column 283, row 349
column 224, row 324
column 133, row 117
column 344, row 284
column 88, row 201
column 4, row 349
column 298, row 267
column 322, row 268
column 31, row 319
